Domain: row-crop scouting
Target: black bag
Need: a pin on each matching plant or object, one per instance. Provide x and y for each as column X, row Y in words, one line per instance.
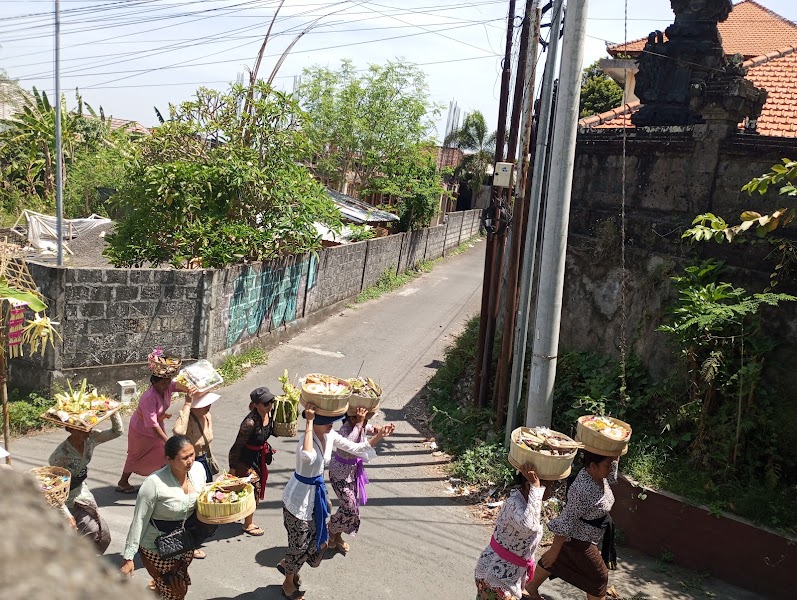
column 175, row 542
column 181, row 537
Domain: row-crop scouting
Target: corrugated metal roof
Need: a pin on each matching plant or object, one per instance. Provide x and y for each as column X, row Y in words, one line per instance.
column 359, row 212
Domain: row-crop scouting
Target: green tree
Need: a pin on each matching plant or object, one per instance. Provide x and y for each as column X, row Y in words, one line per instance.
column 599, row 92
column 216, row 185
column 363, row 125
column 27, row 142
column 478, row 145
column 415, row 181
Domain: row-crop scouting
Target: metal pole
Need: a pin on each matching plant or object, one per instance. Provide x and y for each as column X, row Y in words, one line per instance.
column 521, row 107
column 484, row 349
column 59, row 154
column 557, row 217
column 533, row 223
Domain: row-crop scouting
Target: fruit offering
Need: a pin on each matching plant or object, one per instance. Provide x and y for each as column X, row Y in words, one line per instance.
column 545, row 441
column 608, row 427
column 366, row 387
column 82, row 407
column 326, row 385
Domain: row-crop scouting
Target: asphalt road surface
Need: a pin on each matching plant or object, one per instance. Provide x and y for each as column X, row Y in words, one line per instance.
column 414, row 542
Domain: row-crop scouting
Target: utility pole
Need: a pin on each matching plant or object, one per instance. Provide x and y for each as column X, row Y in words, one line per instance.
column 523, row 102
column 533, row 224
column 484, row 351
column 59, row 153
column 557, row 217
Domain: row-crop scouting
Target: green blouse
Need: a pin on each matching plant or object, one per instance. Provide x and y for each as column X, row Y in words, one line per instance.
column 162, row 498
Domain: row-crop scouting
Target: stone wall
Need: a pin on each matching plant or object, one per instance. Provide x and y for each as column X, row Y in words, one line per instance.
column 671, row 176
column 111, row 319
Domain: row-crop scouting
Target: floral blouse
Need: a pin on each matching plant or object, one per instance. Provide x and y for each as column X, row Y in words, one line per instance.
column 251, row 433
column 585, row 500
column 354, row 433
column 517, row 529
column 65, row 455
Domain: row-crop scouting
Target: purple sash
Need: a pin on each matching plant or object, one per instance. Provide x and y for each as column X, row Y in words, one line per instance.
column 362, row 478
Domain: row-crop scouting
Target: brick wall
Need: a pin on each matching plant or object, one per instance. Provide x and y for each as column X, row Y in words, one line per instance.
column 111, row 319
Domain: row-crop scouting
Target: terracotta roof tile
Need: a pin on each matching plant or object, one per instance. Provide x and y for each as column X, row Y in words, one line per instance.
column 751, row 30
column 777, row 75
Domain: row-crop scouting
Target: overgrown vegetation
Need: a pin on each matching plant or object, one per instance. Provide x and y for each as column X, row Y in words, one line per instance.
column 236, row 366
column 372, row 132
column 710, row 431
column 24, row 411
column 216, row 185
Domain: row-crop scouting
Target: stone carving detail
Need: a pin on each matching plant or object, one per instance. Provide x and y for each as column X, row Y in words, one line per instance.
column 687, row 79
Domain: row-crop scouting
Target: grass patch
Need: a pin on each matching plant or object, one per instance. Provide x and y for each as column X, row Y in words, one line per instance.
column 235, row 367
column 24, row 411
column 390, row 281
column 387, row 282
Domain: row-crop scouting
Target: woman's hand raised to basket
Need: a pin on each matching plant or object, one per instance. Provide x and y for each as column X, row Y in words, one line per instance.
column 309, row 413
column 531, row 475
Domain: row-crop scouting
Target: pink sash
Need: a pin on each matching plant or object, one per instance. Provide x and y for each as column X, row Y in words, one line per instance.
column 513, row 558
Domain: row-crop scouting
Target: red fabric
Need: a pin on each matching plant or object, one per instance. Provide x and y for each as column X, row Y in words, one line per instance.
column 264, row 450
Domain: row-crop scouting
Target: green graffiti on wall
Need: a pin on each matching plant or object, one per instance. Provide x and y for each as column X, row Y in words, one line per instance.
column 268, row 297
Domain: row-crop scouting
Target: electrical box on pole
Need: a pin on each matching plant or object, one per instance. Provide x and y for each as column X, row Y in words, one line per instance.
column 502, row 177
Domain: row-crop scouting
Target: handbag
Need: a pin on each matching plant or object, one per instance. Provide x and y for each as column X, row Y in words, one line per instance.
column 175, row 542
column 212, row 462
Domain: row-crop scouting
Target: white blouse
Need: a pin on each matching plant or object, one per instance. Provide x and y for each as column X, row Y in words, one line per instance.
column 298, row 497
column 518, row 530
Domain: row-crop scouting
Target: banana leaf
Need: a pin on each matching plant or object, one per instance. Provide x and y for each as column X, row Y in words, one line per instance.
column 12, row 294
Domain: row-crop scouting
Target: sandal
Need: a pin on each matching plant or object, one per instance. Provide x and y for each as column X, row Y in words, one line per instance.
column 254, row 530
column 342, row 547
column 126, row 490
column 200, row 554
column 297, row 580
column 296, row 595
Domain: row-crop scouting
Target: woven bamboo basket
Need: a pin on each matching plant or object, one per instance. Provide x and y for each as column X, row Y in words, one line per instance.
column 597, row 443
column 367, row 402
column 161, row 368
column 327, row 405
column 548, row 467
column 57, row 495
column 285, row 429
column 370, row 404
column 221, row 514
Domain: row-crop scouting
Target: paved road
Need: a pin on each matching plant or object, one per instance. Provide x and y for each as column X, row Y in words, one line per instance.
column 414, row 542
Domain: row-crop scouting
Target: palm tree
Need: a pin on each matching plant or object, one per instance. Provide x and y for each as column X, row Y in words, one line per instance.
column 478, row 145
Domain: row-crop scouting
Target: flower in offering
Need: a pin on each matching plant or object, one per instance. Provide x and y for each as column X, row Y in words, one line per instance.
column 365, row 387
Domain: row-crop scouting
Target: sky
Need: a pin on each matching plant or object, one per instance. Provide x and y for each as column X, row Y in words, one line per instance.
column 129, row 56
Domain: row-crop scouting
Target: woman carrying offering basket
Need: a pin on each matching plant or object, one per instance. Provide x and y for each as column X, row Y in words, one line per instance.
column 74, row 454
column 306, row 505
column 580, row 527
column 146, row 438
column 348, row 478
column 166, row 503
column 507, row 564
column 251, row 452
